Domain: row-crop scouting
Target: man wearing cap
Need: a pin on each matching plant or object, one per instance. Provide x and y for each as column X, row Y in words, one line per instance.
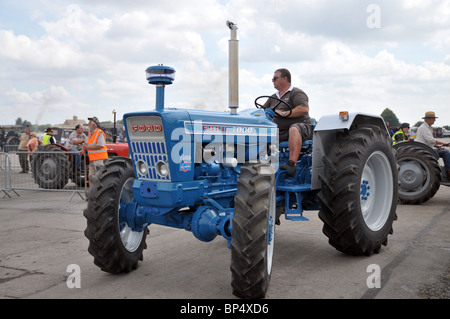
column 48, row 138
column 425, row 135
column 95, row 147
column 402, row 134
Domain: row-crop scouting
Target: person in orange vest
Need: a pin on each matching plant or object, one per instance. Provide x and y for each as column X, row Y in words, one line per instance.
column 95, row 147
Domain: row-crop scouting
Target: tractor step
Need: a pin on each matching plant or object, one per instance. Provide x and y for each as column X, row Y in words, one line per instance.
column 294, row 212
column 296, row 217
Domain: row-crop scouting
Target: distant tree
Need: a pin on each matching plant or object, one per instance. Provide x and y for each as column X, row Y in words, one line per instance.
column 390, row 117
column 418, row 124
column 23, row 123
column 26, row 124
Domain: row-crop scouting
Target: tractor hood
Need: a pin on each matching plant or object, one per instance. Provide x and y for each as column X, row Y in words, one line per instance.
column 176, row 138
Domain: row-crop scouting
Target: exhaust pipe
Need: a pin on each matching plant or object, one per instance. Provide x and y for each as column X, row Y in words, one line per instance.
column 233, row 68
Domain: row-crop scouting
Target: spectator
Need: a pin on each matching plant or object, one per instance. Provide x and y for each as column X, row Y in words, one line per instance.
column 95, row 147
column 33, row 143
column 425, row 136
column 48, row 138
column 74, row 144
column 109, row 138
column 22, row 151
column 402, row 134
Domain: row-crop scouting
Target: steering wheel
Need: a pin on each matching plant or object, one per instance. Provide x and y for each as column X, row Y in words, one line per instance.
column 280, row 101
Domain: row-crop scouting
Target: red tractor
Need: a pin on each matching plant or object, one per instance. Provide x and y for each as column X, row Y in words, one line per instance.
column 52, row 165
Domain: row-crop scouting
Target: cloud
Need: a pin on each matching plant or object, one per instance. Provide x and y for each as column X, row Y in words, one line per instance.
column 91, row 56
column 38, row 105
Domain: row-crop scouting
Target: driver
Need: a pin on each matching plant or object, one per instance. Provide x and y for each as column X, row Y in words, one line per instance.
column 295, row 126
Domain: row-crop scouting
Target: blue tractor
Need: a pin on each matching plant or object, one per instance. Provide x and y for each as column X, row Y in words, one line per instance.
column 217, row 174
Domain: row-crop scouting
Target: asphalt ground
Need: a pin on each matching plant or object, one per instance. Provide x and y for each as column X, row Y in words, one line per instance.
column 43, row 246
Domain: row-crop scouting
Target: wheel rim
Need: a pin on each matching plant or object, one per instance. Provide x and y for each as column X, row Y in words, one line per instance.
column 271, row 229
column 414, row 177
column 130, row 239
column 49, row 168
column 376, row 191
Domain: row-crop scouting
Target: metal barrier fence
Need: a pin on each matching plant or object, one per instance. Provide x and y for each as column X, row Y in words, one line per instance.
column 56, row 171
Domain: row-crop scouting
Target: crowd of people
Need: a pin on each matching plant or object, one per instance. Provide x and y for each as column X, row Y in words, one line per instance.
column 93, row 145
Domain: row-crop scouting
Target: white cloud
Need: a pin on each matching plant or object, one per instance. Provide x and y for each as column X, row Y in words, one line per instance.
column 39, row 107
column 91, row 56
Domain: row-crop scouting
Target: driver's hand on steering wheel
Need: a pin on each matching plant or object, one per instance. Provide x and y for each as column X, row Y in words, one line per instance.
column 270, row 114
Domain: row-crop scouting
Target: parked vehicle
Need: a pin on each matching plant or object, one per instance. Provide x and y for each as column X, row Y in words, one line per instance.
column 420, row 174
column 53, row 165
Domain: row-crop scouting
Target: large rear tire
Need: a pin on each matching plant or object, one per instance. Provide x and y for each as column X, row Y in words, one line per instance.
column 115, row 246
column 359, row 191
column 419, row 175
column 51, row 170
column 253, row 228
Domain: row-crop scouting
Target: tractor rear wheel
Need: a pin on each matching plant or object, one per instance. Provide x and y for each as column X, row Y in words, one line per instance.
column 51, row 168
column 419, row 175
column 115, row 246
column 253, row 228
column 359, row 191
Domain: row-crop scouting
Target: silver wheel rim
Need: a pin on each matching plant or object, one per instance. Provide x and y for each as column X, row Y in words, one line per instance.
column 376, row 191
column 414, row 177
column 130, row 239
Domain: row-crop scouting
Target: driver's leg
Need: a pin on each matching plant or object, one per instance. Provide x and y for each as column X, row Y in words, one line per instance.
column 446, row 157
column 295, row 144
column 295, row 147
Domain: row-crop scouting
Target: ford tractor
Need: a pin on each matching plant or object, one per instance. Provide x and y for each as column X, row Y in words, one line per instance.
column 217, row 174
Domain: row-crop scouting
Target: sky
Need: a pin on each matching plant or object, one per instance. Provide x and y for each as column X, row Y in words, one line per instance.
column 87, row 58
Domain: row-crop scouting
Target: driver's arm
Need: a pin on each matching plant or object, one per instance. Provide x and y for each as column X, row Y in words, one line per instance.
column 296, row 111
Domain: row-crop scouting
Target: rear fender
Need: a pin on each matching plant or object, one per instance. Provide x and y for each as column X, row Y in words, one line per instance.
column 64, row 149
column 325, row 137
column 418, row 144
column 120, row 149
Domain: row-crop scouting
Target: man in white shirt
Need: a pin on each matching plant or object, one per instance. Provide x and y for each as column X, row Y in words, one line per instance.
column 425, row 136
column 74, row 143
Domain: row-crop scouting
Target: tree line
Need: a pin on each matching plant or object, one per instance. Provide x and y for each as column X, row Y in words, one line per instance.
column 389, row 117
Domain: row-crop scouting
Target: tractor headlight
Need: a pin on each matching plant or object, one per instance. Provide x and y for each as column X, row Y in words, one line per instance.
column 162, row 169
column 142, row 167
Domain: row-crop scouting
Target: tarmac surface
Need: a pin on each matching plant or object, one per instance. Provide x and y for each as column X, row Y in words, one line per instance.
column 43, row 246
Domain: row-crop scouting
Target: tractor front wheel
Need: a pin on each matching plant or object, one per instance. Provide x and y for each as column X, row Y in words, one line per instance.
column 253, row 228
column 115, row 246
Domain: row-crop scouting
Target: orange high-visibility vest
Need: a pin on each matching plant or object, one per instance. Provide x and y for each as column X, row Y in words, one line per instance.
column 95, row 155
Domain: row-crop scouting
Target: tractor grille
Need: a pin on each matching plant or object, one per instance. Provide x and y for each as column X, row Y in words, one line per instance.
column 147, row 144
column 151, row 153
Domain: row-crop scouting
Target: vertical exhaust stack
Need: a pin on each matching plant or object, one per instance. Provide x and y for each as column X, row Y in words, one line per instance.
column 233, row 68
column 160, row 76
